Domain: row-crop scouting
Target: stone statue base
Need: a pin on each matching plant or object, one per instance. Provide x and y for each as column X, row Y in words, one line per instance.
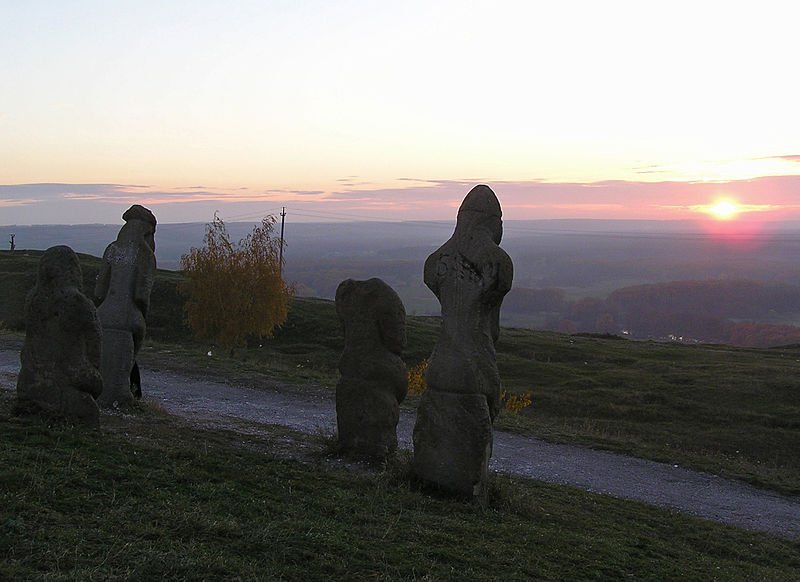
column 453, row 442
column 116, row 364
column 366, row 418
column 81, row 406
column 72, row 404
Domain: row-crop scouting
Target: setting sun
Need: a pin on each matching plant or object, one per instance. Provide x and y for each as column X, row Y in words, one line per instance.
column 725, row 209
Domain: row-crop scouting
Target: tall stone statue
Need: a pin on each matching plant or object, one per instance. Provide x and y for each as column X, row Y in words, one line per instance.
column 60, row 360
column 123, row 288
column 374, row 378
column 469, row 274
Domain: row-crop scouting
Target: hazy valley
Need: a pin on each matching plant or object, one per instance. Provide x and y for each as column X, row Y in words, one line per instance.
column 644, row 279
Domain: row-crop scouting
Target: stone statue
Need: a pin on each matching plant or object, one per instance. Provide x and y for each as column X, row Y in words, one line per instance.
column 469, row 274
column 60, row 360
column 123, row 289
column 374, row 378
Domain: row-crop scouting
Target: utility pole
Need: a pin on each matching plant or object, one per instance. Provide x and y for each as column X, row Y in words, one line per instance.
column 13, row 246
column 280, row 260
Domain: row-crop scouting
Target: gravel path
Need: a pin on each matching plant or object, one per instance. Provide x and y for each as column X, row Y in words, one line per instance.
column 311, row 411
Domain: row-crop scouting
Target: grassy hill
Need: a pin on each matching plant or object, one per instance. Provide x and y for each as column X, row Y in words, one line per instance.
column 150, row 498
column 730, row 411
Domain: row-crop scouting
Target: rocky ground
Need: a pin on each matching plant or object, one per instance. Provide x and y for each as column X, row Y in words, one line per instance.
column 217, row 403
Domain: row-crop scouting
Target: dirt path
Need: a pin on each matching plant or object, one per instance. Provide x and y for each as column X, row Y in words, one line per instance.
column 311, row 411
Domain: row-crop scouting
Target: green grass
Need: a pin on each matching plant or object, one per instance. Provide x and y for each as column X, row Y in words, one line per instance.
column 730, row 411
column 152, row 498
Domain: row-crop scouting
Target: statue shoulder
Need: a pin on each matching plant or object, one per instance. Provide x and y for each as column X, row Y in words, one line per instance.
column 438, row 256
column 505, row 268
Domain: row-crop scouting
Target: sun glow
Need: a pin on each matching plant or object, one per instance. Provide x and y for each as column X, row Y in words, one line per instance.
column 725, row 209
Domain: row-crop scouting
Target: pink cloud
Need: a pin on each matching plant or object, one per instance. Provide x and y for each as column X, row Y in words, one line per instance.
column 775, row 197
column 7, row 203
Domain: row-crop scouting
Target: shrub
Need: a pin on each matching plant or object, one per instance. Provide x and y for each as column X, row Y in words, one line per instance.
column 515, row 403
column 416, row 379
column 235, row 291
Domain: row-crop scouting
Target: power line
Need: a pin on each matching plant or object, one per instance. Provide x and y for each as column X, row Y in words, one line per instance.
column 343, row 217
column 511, row 227
column 280, row 259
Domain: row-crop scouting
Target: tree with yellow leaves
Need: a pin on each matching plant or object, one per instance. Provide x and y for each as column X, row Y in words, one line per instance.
column 235, row 291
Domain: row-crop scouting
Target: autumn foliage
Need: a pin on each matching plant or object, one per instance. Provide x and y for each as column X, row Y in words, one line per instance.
column 235, row 291
column 512, row 403
column 515, row 403
column 416, row 379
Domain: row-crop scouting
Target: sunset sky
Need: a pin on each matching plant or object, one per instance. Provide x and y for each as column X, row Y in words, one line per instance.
column 393, row 110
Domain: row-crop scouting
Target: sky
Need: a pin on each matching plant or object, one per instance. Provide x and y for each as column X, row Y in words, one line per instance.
column 344, row 110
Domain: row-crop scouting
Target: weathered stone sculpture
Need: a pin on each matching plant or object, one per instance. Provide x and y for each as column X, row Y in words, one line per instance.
column 60, row 360
column 123, row 287
column 374, row 379
column 470, row 274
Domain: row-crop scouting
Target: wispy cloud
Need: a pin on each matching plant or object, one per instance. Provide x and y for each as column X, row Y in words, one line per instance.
column 11, row 203
column 410, row 199
column 738, row 209
column 297, row 192
column 603, row 199
column 721, row 170
column 124, row 194
column 790, row 158
column 651, row 169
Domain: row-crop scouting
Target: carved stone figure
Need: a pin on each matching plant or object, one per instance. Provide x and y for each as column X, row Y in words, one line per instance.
column 469, row 274
column 374, row 378
column 123, row 288
column 60, row 360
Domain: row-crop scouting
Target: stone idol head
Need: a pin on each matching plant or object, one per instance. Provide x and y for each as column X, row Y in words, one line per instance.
column 59, row 267
column 481, row 210
column 140, row 221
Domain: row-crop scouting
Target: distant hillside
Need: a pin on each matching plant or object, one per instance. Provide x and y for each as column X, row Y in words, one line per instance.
column 658, row 279
column 732, row 311
column 18, row 276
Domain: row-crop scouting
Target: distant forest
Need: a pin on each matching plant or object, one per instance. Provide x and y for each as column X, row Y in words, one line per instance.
column 663, row 280
column 737, row 312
